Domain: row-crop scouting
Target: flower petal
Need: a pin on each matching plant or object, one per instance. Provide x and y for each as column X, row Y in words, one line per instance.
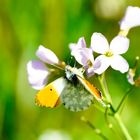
column 47, row 55
column 83, row 56
column 80, row 44
column 72, row 46
column 99, row 43
column 90, row 71
column 131, row 18
column 119, row 63
column 119, row 44
column 103, row 62
column 37, row 74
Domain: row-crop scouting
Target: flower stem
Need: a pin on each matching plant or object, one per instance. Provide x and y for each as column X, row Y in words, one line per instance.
column 122, row 126
column 96, row 130
column 104, row 87
column 123, row 99
column 124, row 32
column 116, row 115
column 110, row 125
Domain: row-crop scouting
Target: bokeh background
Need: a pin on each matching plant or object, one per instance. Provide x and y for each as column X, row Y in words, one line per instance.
column 24, row 25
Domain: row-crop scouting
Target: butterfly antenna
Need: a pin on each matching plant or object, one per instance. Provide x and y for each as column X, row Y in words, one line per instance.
column 56, row 66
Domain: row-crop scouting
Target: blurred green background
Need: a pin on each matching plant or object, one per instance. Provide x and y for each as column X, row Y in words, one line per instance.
column 24, row 25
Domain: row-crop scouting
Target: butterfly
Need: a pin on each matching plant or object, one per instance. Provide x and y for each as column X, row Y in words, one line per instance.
column 73, row 90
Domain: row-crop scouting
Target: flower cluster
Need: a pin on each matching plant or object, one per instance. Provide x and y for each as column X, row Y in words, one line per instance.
column 109, row 54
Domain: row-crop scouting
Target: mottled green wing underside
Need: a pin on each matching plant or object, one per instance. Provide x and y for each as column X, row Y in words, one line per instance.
column 75, row 97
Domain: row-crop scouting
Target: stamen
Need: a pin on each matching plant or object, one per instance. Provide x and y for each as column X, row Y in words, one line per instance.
column 108, row 54
column 89, row 63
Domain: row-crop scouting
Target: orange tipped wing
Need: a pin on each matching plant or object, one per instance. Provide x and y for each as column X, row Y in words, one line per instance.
column 92, row 89
column 49, row 95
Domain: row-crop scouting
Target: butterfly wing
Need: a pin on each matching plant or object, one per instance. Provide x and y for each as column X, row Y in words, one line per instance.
column 49, row 96
column 75, row 97
column 92, row 89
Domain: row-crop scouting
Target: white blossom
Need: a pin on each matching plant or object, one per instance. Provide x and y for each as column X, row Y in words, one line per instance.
column 131, row 18
column 110, row 54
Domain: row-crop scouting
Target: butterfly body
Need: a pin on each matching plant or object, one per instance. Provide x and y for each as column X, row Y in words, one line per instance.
column 92, row 89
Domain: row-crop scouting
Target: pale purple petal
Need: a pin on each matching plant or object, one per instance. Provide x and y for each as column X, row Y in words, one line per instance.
column 99, row 44
column 131, row 18
column 73, row 46
column 83, row 56
column 80, row 44
column 90, row 71
column 97, row 64
column 47, row 55
column 37, row 74
column 104, row 63
column 119, row 63
column 119, row 44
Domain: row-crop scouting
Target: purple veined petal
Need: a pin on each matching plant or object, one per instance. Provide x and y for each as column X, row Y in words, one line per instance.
column 83, row 56
column 80, row 44
column 119, row 63
column 37, row 74
column 131, row 18
column 99, row 43
column 119, row 44
column 47, row 55
column 102, row 63
column 90, row 71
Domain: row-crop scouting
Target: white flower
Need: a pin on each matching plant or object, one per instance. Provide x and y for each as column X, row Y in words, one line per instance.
column 131, row 18
column 47, row 55
column 37, row 74
column 83, row 55
column 37, row 70
column 110, row 54
column 80, row 44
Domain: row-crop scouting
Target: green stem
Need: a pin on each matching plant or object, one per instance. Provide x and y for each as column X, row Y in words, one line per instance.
column 110, row 125
column 122, row 126
column 96, row 130
column 104, row 87
column 123, row 99
column 116, row 115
